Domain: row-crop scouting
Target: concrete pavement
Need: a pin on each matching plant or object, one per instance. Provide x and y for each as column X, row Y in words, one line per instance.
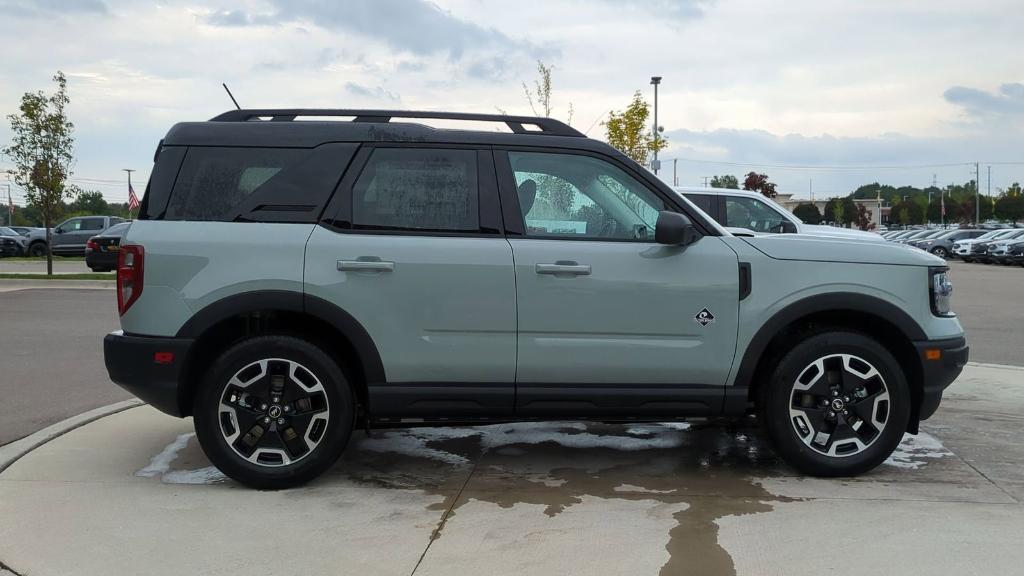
column 132, row 493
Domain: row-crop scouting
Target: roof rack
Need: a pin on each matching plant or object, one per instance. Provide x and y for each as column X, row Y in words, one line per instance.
column 545, row 126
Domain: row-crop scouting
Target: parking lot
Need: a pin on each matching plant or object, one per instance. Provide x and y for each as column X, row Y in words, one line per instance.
column 552, row 498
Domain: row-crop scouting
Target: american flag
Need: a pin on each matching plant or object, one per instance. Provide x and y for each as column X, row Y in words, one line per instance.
column 133, row 200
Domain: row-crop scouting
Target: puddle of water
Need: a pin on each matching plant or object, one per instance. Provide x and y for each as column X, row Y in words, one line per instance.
column 914, row 452
column 708, row 470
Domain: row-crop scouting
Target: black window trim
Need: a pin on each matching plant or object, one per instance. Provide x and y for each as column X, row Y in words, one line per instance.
column 512, row 213
column 337, row 216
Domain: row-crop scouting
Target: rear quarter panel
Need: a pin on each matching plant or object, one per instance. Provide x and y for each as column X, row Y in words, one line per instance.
column 190, row 265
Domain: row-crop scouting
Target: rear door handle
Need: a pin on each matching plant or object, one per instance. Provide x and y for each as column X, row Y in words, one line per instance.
column 365, row 264
column 564, row 267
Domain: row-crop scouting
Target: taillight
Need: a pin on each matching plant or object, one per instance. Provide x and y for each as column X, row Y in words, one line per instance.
column 90, row 245
column 130, row 265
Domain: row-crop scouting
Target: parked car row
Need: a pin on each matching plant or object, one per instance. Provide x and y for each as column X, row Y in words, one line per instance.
column 1001, row 246
column 69, row 238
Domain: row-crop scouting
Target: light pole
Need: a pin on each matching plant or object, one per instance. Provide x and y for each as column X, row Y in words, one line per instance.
column 130, row 191
column 655, row 164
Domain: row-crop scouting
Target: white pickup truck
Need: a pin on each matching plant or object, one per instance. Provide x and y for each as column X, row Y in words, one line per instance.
column 747, row 213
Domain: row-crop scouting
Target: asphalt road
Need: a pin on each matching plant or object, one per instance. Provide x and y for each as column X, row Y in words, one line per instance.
column 51, row 352
column 51, row 357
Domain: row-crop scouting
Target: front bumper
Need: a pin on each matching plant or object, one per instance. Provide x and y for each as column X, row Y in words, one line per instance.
column 148, row 367
column 939, row 372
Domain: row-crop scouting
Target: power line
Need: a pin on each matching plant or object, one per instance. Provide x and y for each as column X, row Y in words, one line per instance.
column 849, row 167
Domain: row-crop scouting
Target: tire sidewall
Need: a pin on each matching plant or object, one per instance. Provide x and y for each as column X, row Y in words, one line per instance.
column 777, row 401
column 339, row 424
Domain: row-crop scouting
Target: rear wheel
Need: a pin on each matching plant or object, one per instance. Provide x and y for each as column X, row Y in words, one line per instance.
column 940, row 252
column 274, row 412
column 837, row 405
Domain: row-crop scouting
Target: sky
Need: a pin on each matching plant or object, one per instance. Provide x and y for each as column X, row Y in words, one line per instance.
column 818, row 94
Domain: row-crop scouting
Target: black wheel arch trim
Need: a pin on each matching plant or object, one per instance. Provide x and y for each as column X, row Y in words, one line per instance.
column 290, row 301
column 835, row 301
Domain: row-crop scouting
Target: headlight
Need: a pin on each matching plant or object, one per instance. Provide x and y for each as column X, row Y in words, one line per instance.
column 941, row 292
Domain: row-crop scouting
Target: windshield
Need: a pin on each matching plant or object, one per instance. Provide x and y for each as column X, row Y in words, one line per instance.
column 5, row 231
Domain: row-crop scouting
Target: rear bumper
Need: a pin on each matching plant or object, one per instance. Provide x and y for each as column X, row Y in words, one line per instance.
column 938, row 374
column 141, row 365
column 101, row 260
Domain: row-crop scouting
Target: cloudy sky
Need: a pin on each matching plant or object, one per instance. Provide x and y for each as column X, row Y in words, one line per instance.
column 839, row 92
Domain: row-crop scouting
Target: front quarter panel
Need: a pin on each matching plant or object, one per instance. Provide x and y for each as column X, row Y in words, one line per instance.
column 777, row 284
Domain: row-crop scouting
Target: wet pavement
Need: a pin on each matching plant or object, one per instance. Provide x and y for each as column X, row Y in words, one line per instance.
column 132, row 493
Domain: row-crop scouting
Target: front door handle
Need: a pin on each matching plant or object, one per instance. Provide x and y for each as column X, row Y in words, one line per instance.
column 365, row 264
column 564, row 267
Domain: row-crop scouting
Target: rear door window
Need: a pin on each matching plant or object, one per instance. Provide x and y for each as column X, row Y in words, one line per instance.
column 418, row 190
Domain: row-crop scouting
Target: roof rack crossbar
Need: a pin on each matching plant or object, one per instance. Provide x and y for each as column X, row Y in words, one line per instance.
column 518, row 124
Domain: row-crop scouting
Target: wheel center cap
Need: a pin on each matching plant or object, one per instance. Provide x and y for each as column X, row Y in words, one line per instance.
column 274, row 411
column 838, row 404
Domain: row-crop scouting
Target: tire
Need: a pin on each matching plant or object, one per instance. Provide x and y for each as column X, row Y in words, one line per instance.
column 940, row 252
column 37, row 249
column 795, row 425
column 265, row 459
column 968, row 260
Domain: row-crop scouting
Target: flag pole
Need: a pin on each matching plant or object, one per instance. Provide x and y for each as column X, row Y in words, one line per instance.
column 130, row 191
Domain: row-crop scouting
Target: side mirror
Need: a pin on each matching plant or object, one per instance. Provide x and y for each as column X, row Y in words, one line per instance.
column 58, row 230
column 675, row 229
column 788, row 227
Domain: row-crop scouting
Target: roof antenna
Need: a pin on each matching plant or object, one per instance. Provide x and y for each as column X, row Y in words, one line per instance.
column 230, row 95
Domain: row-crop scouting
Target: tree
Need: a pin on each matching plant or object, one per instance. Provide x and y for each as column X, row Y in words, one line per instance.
column 848, row 214
column 629, row 131
column 1010, row 205
column 808, row 213
column 90, row 202
column 726, row 181
column 838, row 211
column 829, row 213
column 862, row 219
column 759, row 183
column 541, row 94
column 42, row 150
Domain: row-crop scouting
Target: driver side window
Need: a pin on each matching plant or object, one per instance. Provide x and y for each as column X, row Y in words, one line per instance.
column 752, row 214
column 568, row 195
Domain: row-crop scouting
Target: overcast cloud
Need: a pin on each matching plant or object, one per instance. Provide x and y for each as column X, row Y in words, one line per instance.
column 781, row 87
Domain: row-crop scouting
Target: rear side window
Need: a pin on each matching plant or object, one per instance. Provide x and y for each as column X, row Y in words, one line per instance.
column 92, row 224
column 417, row 189
column 256, row 184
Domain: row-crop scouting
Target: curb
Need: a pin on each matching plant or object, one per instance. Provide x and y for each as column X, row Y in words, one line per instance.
column 15, row 284
column 10, row 453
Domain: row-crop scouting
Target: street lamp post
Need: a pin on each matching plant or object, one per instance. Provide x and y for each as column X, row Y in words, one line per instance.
column 655, row 164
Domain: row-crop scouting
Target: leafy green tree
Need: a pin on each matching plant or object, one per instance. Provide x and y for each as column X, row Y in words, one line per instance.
column 630, row 133
column 759, row 183
column 42, row 150
column 808, row 212
column 90, row 202
column 1010, row 205
column 725, row 181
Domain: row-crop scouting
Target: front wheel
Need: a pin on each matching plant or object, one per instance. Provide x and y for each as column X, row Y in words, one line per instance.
column 37, row 250
column 274, row 412
column 940, row 252
column 837, row 405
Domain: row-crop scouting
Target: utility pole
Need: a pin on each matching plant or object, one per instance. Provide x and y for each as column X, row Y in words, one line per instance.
column 655, row 165
column 977, row 193
column 675, row 177
column 10, row 207
column 706, row 181
column 988, row 190
column 810, row 189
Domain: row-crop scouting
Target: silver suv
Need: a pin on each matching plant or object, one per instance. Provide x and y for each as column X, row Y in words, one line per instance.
column 287, row 281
